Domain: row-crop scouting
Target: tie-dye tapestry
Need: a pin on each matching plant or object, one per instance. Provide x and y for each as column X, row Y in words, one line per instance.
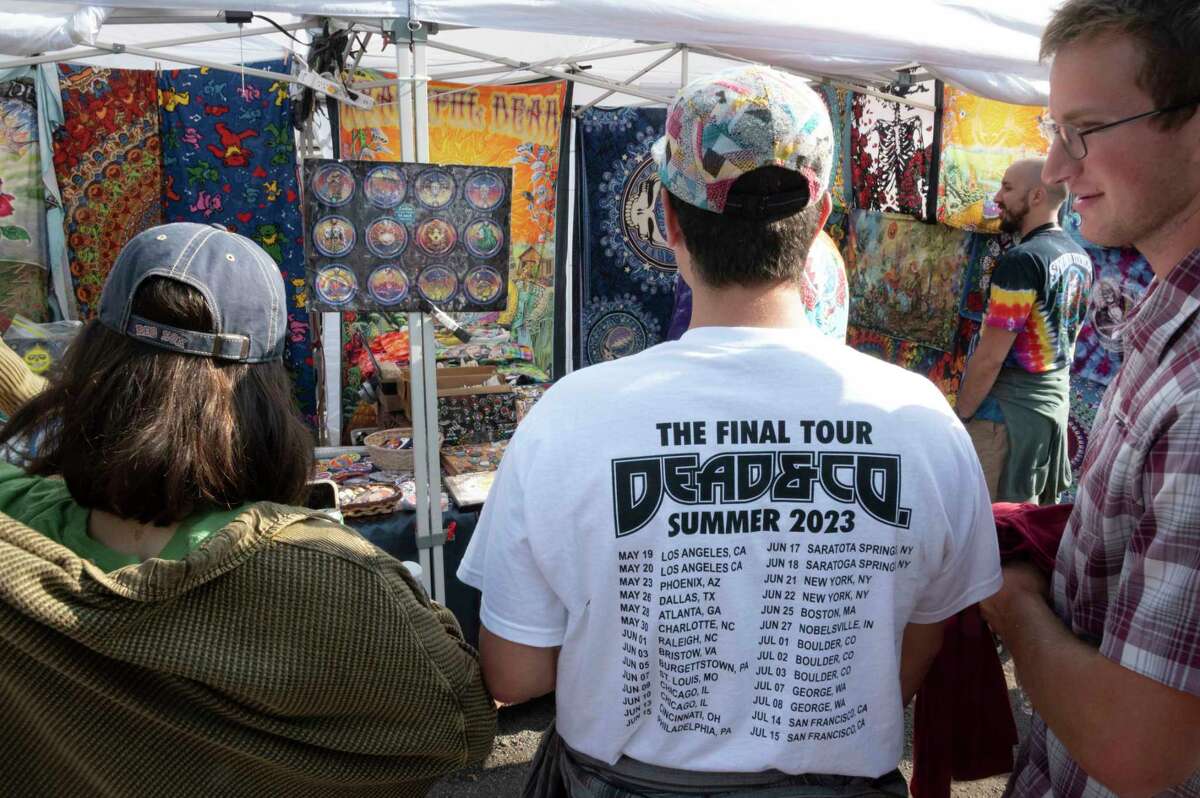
column 517, row 126
column 107, row 159
column 983, row 250
column 840, row 103
column 1120, row 277
column 229, row 158
column 892, row 151
column 22, row 200
column 980, row 140
column 1085, row 401
column 905, row 277
column 626, row 272
column 943, row 369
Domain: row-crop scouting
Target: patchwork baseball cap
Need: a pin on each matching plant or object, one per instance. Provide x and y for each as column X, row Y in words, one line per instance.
column 728, row 124
column 239, row 281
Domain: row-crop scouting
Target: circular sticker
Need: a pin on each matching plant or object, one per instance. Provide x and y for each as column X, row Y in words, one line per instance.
column 333, row 184
column 484, row 190
column 615, row 335
column 336, row 284
column 435, row 188
column 38, row 358
column 483, row 285
column 385, row 186
column 436, row 236
column 437, row 283
column 333, row 236
column 483, row 238
column 388, row 284
column 386, row 238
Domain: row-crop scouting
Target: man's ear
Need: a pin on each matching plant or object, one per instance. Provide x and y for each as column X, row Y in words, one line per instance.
column 674, row 233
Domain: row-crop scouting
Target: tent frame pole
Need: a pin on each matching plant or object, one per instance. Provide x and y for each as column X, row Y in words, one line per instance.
column 625, row 83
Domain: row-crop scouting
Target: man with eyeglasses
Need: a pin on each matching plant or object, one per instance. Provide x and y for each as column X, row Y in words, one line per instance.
column 1015, row 395
column 1112, row 663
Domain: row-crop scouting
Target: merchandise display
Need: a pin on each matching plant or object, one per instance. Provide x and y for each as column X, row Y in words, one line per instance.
column 387, row 236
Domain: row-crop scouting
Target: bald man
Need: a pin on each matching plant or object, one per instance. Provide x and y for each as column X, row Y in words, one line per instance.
column 1014, row 395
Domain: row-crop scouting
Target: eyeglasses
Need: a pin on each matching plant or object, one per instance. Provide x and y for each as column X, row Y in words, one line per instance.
column 1073, row 138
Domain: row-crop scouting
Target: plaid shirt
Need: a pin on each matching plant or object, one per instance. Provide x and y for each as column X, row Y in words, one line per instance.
column 1127, row 578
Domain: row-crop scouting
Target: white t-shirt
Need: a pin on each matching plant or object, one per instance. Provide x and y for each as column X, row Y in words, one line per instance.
column 727, row 535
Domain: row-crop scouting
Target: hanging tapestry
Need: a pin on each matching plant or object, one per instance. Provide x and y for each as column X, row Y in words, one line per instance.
column 1119, row 278
column 905, row 277
column 24, row 291
column 22, row 201
column 892, row 152
column 980, row 140
column 229, row 158
column 840, row 103
column 943, row 369
column 983, row 250
column 625, row 279
column 1085, row 401
column 107, row 159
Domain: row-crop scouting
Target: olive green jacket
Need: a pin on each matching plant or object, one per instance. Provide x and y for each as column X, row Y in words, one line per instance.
column 285, row 656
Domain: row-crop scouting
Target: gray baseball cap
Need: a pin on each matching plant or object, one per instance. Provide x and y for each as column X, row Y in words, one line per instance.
column 240, row 282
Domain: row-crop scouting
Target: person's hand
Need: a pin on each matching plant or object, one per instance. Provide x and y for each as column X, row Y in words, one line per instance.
column 1022, row 581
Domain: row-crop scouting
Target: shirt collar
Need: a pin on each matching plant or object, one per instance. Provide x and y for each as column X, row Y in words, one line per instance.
column 1040, row 229
column 1166, row 307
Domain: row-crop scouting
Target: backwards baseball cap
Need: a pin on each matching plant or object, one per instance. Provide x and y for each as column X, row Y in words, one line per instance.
column 239, row 281
column 725, row 125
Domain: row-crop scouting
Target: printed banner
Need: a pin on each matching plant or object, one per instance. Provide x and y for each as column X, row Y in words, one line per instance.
column 840, row 103
column 387, row 236
column 892, row 151
column 905, row 277
column 980, row 140
column 1119, row 278
column 107, row 159
column 626, row 271
column 22, row 200
column 229, row 158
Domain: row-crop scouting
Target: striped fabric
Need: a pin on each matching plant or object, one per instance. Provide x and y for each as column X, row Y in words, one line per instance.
column 17, row 383
column 286, row 656
column 1128, row 573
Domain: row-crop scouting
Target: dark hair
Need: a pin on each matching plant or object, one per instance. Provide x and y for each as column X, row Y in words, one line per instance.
column 727, row 250
column 1168, row 31
column 154, row 435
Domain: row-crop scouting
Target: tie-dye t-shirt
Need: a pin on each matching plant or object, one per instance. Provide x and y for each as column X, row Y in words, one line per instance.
column 1039, row 290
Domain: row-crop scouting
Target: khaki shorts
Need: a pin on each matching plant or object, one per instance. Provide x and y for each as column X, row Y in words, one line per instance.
column 991, row 446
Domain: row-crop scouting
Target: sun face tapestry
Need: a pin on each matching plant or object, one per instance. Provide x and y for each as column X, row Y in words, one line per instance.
column 626, row 271
column 107, row 158
column 892, row 152
column 229, row 158
column 388, row 236
column 980, row 140
column 22, row 201
column 1120, row 277
column 905, row 277
column 840, row 103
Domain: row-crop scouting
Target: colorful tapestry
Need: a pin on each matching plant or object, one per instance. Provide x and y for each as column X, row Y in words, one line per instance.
column 1085, row 402
column 1119, row 278
column 980, row 140
column 892, row 151
column 905, row 277
column 943, row 369
column 840, row 103
column 107, row 159
column 22, row 200
column 625, row 274
column 24, row 291
column 983, row 250
column 229, row 158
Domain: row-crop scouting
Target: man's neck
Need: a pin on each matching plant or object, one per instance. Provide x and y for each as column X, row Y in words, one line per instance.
column 775, row 305
column 1170, row 243
column 1031, row 223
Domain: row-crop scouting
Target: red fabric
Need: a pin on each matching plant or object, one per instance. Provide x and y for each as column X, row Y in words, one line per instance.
column 963, row 726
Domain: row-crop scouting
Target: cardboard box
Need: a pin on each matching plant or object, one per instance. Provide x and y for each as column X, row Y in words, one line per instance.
column 469, row 409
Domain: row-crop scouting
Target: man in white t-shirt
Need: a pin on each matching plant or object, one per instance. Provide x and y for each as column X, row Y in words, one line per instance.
column 731, row 554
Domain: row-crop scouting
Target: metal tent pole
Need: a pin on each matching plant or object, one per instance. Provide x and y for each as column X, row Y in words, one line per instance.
column 644, row 70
